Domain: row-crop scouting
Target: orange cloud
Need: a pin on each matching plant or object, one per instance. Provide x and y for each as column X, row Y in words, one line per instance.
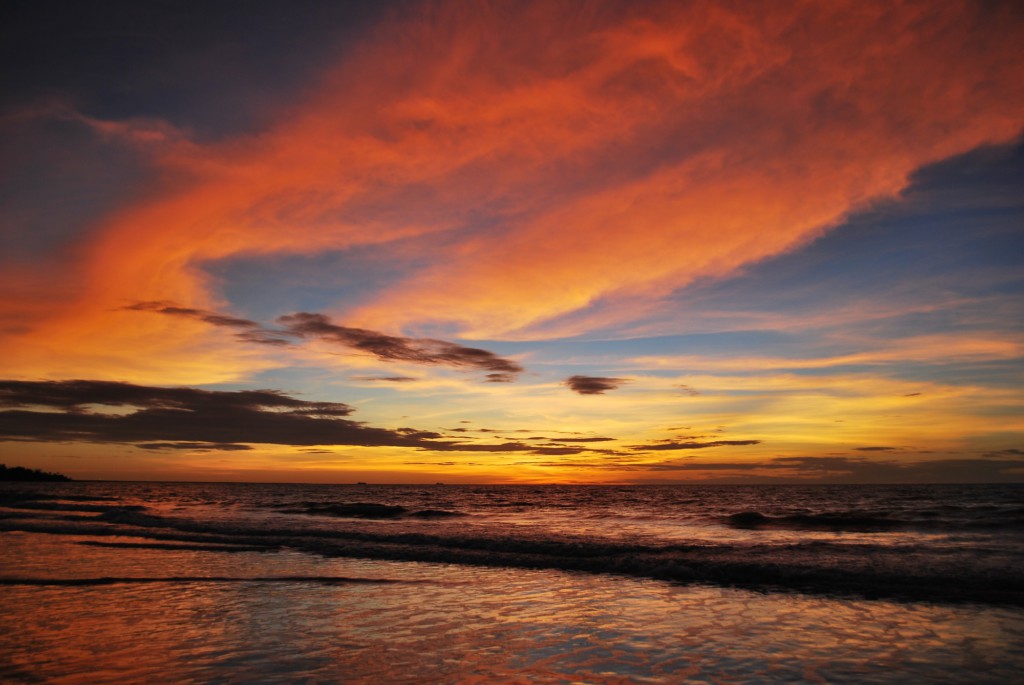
column 754, row 133
column 565, row 157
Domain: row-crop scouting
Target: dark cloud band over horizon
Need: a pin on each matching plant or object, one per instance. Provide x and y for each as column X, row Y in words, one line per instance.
column 190, row 418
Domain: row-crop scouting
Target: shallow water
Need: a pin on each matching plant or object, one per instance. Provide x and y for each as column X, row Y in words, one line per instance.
column 456, row 624
column 101, row 600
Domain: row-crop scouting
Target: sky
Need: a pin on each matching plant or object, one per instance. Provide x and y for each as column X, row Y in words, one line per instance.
column 513, row 242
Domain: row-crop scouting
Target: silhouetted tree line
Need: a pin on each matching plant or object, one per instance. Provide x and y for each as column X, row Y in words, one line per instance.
column 20, row 473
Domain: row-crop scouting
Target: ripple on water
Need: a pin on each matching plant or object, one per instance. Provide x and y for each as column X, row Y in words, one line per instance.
column 460, row 625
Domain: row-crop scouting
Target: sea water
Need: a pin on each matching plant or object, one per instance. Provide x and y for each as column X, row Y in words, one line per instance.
column 254, row 583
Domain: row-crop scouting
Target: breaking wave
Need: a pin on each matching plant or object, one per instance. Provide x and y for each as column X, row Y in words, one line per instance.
column 818, row 566
column 874, row 522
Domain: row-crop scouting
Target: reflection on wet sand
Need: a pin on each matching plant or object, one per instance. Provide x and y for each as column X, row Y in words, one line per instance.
column 456, row 625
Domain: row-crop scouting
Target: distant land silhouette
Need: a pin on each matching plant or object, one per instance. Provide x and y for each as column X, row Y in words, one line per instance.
column 20, row 473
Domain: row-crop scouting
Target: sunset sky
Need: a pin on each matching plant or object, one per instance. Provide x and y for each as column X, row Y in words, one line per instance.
column 619, row 242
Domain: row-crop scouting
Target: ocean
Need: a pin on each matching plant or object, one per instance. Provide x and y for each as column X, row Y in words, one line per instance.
column 117, row 582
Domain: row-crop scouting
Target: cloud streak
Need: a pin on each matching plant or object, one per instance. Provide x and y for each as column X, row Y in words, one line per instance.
column 305, row 325
column 944, row 349
column 250, row 330
column 393, row 348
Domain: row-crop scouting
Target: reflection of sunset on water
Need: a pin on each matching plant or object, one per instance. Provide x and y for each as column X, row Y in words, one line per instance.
column 446, row 624
column 362, row 583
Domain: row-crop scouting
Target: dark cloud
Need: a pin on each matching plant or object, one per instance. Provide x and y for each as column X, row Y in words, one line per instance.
column 188, row 418
column 875, row 449
column 1012, row 452
column 816, row 463
column 442, row 463
column 483, row 447
column 420, row 434
column 385, row 379
column 556, row 450
column 500, row 377
column 687, row 390
column 541, row 437
column 823, row 463
column 506, row 447
column 593, row 385
column 262, row 337
column 78, row 395
column 200, row 314
column 197, row 446
column 614, row 461
column 681, row 445
column 180, row 415
column 184, row 418
column 394, row 348
column 929, row 471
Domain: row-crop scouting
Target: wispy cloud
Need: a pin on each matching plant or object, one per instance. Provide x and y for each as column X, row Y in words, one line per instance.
column 942, row 349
